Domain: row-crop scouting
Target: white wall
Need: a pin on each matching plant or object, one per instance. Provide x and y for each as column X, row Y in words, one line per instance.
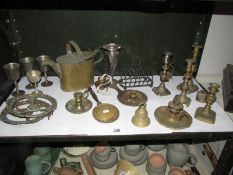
column 218, row 50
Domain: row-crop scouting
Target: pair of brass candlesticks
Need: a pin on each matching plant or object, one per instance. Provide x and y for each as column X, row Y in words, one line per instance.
column 195, row 56
column 165, row 75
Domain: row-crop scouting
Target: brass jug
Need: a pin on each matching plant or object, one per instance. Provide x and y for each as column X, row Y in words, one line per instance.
column 75, row 69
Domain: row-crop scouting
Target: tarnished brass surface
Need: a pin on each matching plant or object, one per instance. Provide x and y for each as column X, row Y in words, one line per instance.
column 75, row 70
column 141, row 119
column 205, row 114
column 80, row 104
column 105, row 113
column 182, row 97
column 28, row 108
column 165, row 75
column 201, row 95
column 132, row 97
column 168, row 119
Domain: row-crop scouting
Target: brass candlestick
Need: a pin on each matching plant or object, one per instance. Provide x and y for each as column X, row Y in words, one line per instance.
column 195, row 55
column 173, row 116
column 79, row 104
column 161, row 90
column 183, row 98
column 205, row 114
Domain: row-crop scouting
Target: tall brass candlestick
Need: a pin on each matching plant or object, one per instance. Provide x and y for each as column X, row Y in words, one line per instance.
column 195, row 56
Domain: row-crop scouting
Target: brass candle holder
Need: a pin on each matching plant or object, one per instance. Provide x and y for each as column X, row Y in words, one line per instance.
column 205, row 114
column 195, row 55
column 79, row 104
column 183, row 98
column 173, row 116
column 161, row 90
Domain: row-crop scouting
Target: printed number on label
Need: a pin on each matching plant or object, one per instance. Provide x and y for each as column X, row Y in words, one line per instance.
column 116, row 130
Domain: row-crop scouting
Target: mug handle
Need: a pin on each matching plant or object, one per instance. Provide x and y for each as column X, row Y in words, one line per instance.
column 49, row 166
column 142, row 147
column 192, row 161
column 113, row 149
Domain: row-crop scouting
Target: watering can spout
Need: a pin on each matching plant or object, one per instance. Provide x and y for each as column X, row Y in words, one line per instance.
column 55, row 66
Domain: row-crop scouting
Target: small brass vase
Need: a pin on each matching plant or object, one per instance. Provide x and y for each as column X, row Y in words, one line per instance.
column 141, row 119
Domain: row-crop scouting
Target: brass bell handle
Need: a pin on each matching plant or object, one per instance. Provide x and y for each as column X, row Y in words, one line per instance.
column 72, row 44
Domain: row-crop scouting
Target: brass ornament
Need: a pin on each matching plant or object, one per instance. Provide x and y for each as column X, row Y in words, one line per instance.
column 195, row 56
column 28, row 109
column 173, row 116
column 79, row 104
column 161, row 90
column 205, row 114
column 141, row 119
column 103, row 112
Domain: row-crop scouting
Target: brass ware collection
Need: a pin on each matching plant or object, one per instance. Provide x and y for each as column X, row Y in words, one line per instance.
column 206, row 114
column 76, row 72
column 161, row 90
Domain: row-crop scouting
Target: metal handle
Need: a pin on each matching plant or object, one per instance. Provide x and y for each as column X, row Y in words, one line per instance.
column 94, row 96
column 78, row 51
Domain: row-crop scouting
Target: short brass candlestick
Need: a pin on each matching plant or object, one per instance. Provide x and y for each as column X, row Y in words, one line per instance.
column 195, row 55
column 161, row 90
column 205, row 114
column 173, row 116
column 183, row 98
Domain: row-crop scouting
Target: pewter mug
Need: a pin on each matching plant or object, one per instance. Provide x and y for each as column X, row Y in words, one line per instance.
column 34, row 165
column 178, row 155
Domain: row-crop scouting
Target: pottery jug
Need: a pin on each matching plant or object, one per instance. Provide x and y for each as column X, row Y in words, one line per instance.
column 178, row 155
column 44, row 153
column 34, row 165
column 75, row 69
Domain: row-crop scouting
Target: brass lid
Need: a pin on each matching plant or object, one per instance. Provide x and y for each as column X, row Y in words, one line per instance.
column 132, row 97
column 105, row 113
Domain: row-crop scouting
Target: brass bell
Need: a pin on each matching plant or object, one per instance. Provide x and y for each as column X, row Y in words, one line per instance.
column 141, row 119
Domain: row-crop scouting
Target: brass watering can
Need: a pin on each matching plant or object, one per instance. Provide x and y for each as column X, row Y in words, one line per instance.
column 75, row 69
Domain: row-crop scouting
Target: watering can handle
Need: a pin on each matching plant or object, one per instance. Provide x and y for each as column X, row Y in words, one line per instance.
column 72, row 44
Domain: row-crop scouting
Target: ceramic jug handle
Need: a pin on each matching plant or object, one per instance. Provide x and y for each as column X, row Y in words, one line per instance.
column 142, row 147
column 72, row 44
column 192, row 160
column 49, row 166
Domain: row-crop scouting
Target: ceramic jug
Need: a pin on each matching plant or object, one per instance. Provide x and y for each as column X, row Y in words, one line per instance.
column 44, row 153
column 178, row 155
column 34, row 165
